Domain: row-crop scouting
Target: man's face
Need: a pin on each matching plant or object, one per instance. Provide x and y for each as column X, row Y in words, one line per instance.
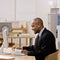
column 36, row 27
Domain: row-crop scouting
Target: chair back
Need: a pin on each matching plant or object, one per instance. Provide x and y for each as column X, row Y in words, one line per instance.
column 53, row 56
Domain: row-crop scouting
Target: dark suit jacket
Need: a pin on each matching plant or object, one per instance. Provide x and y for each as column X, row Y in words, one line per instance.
column 46, row 45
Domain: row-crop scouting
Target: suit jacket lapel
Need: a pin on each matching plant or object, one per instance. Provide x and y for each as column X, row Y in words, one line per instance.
column 43, row 32
column 40, row 38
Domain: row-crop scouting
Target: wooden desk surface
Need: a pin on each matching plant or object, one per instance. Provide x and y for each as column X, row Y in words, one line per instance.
column 24, row 58
column 5, row 57
column 15, row 57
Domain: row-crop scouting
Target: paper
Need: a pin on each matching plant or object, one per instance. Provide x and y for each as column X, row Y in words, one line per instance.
column 18, row 52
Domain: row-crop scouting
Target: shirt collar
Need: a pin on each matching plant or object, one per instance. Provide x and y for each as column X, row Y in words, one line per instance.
column 41, row 32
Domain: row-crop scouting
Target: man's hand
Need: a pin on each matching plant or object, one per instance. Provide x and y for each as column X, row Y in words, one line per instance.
column 25, row 52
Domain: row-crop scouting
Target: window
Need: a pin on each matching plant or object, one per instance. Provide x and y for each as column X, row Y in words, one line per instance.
column 58, row 19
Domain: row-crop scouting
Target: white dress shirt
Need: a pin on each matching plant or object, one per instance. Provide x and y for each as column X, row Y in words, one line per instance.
column 41, row 32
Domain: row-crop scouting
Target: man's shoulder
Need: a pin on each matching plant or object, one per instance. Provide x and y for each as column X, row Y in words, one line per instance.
column 47, row 32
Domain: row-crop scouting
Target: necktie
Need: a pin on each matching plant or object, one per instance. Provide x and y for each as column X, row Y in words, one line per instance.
column 36, row 41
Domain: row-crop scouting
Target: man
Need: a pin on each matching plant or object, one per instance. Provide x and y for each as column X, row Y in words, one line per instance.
column 44, row 43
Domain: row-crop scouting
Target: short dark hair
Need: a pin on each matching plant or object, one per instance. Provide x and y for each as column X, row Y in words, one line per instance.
column 39, row 20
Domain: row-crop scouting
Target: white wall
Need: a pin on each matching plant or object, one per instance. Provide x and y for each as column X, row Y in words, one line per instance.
column 6, row 10
column 25, row 9
column 42, row 10
column 17, row 10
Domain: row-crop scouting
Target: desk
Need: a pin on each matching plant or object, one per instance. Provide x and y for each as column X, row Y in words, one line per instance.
column 14, row 57
column 24, row 57
column 5, row 57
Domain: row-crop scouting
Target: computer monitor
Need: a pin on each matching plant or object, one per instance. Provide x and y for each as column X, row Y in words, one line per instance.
column 8, row 24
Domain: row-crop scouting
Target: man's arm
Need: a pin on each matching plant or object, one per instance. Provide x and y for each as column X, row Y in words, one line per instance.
column 29, row 48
